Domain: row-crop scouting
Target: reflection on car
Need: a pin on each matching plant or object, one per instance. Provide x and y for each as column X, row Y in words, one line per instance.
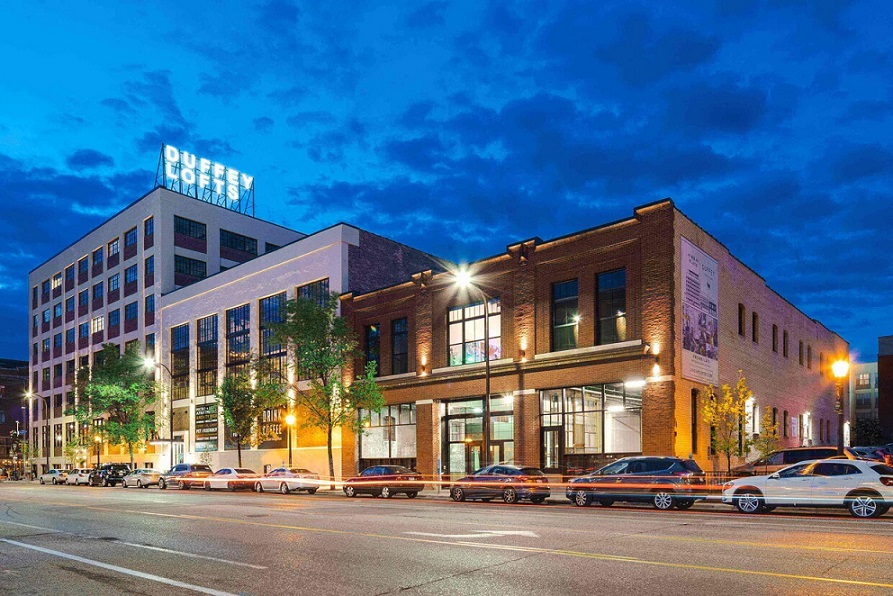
column 109, row 474
column 79, row 476
column 385, row 481
column 53, row 476
column 191, row 472
column 510, row 483
column 286, row 480
column 141, row 478
column 231, row 479
column 863, row 487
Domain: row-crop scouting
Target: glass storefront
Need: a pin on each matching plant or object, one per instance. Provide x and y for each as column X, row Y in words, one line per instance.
column 389, row 436
column 462, row 432
column 582, row 425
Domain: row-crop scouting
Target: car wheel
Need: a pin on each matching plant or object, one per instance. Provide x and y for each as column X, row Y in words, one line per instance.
column 184, row 485
column 207, row 486
column 411, row 494
column 537, row 500
column 749, row 501
column 258, row 487
column 54, row 482
column 457, row 494
column 509, row 495
column 350, row 491
column 581, row 499
column 662, row 500
column 105, row 482
column 386, row 492
column 864, row 505
column 41, row 481
column 312, row 491
column 685, row 503
column 123, row 484
column 162, row 484
column 139, row 484
column 283, row 488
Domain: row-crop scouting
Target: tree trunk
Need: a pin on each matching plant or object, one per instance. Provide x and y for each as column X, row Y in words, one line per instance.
column 239, row 448
column 130, row 450
column 331, row 460
column 729, row 463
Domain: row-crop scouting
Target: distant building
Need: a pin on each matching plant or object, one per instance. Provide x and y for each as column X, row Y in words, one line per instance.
column 13, row 419
column 885, row 384
column 864, row 389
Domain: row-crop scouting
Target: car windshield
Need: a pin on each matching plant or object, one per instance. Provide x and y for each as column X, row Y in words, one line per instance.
column 883, row 469
column 618, row 467
column 795, row 470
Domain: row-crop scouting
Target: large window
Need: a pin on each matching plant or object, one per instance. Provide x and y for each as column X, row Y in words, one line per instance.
column 130, row 237
column 389, row 434
column 114, row 282
column 272, row 311
column 206, row 337
column 149, row 226
column 610, row 307
column 191, row 267
column 150, row 265
column 317, row 291
column 131, row 274
column 372, row 343
column 190, row 228
column 399, row 346
column 238, row 242
column 580, row 423
column 180, row 361
column 466, row 332
column 97, row 257
column 114, row 247
column 131, row 311
column 565, row 315
column 238, row 336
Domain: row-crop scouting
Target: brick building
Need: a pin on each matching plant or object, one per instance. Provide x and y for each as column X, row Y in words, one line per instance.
column 885, row 384
column 599, row 345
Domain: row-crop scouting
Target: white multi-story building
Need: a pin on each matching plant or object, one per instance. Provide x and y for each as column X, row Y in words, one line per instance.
column 108, row 286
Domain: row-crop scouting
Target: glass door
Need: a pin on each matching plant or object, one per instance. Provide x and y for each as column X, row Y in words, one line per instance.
column 551, row 449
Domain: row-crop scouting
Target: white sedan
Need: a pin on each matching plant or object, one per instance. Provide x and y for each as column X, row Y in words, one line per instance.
column 78, row 476
column 286, row 480
column 231, row 479
column 865, row 488
column 54, row 477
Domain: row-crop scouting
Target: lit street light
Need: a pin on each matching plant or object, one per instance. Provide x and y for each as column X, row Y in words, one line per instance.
column 150, row 363
column 98, row 440
column 840, row 370
column 289, row 422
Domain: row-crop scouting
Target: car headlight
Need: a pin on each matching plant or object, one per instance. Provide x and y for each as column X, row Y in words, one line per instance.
column 727, row 486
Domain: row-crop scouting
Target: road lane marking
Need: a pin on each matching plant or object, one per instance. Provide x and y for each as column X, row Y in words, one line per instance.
column 832, row 549
column 123, row 570
column 146, row 546
column 481, row 534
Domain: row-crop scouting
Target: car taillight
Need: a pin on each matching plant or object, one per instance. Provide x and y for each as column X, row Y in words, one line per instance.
column 886, row 481
column 526, row 479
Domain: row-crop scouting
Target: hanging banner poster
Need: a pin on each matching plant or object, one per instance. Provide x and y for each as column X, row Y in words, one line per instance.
column 700, row 315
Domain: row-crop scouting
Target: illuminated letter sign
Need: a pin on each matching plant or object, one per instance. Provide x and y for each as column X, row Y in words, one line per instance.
column 204, row 179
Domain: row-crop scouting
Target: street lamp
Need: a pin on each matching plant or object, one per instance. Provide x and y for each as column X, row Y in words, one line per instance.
column 289, row 422
column 840, row 370
column 98, row 440
column 150, row 363
column 464, row 280
column 31, row 395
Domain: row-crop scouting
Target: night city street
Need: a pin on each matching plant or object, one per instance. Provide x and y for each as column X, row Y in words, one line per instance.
column 144, row 541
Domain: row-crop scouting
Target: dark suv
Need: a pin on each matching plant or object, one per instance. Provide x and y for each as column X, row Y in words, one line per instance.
column 190, row 471
column 665, row 482
column 109, row 474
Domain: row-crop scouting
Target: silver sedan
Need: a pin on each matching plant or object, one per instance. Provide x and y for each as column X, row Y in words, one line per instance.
column 141, row 478
column 286, row 480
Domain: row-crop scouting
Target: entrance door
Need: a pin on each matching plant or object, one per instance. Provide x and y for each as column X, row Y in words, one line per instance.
column 465, row 458
column 178, row 452
column 551, row 450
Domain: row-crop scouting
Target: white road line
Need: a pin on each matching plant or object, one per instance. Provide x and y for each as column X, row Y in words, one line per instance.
column 123, row 570
column 147, row 546
column 179, row 552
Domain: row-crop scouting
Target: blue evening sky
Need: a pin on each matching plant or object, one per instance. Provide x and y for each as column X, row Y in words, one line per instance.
column 461, row 127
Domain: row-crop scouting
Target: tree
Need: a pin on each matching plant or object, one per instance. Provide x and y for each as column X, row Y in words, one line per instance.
column 118, row 389
column 75, row 451
column 868, row 431
column 243, row 401
column 322, row 345
column 728, row 418
column 768, row 440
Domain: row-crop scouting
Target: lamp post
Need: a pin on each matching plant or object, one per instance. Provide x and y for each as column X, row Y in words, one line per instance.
column 840, row 370
column 464, row 280
column 45, row 400
column 151, row 363
column 289, row 422
column 98, row 440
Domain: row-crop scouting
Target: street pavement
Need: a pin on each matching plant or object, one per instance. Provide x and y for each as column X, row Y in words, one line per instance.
column 92, row 540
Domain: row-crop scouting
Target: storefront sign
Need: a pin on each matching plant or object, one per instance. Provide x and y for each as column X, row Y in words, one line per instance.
column 206, row 427
column 203, row 179
column 700, row 315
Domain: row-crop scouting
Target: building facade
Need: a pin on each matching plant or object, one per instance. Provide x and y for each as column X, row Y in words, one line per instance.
column 217, row 326
column 885, row 385
column 13, row 414
column 107, row 287
column 591, row 346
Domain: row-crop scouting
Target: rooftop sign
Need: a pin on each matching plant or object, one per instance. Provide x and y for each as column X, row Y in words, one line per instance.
column 205, row 180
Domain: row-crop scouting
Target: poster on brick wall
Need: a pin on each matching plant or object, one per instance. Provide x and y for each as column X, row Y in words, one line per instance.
column 700, row 315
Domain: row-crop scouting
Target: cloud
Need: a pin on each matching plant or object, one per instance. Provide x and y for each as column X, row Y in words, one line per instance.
column 85, row 159
column 263, row 124
column 428, row 15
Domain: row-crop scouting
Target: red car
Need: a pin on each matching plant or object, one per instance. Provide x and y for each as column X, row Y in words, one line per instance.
column 386, row 481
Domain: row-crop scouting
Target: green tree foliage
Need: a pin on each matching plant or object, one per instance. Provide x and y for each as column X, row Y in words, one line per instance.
column 243, row 401
column 868, row 431
column 768, row 440
column 118, row 389
column 728, row 418
column 322, row 344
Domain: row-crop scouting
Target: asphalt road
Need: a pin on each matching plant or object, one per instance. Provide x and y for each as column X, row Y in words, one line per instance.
column 91, row 540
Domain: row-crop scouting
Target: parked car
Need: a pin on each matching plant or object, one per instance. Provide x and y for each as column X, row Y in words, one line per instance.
column 386, row 481
column 108, row 474
column 864, row 487
column 54, row 477
column 663, row 481
column 783, row 458
column 872, row 453
column 172, row 476
column 231, row 479
column 286, row 480
column 79, row 476
column 510, row 483
column 141, row 478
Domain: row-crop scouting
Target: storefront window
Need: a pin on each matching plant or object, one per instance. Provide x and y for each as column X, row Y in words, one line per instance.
column 466, row 332
column 389, row 436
